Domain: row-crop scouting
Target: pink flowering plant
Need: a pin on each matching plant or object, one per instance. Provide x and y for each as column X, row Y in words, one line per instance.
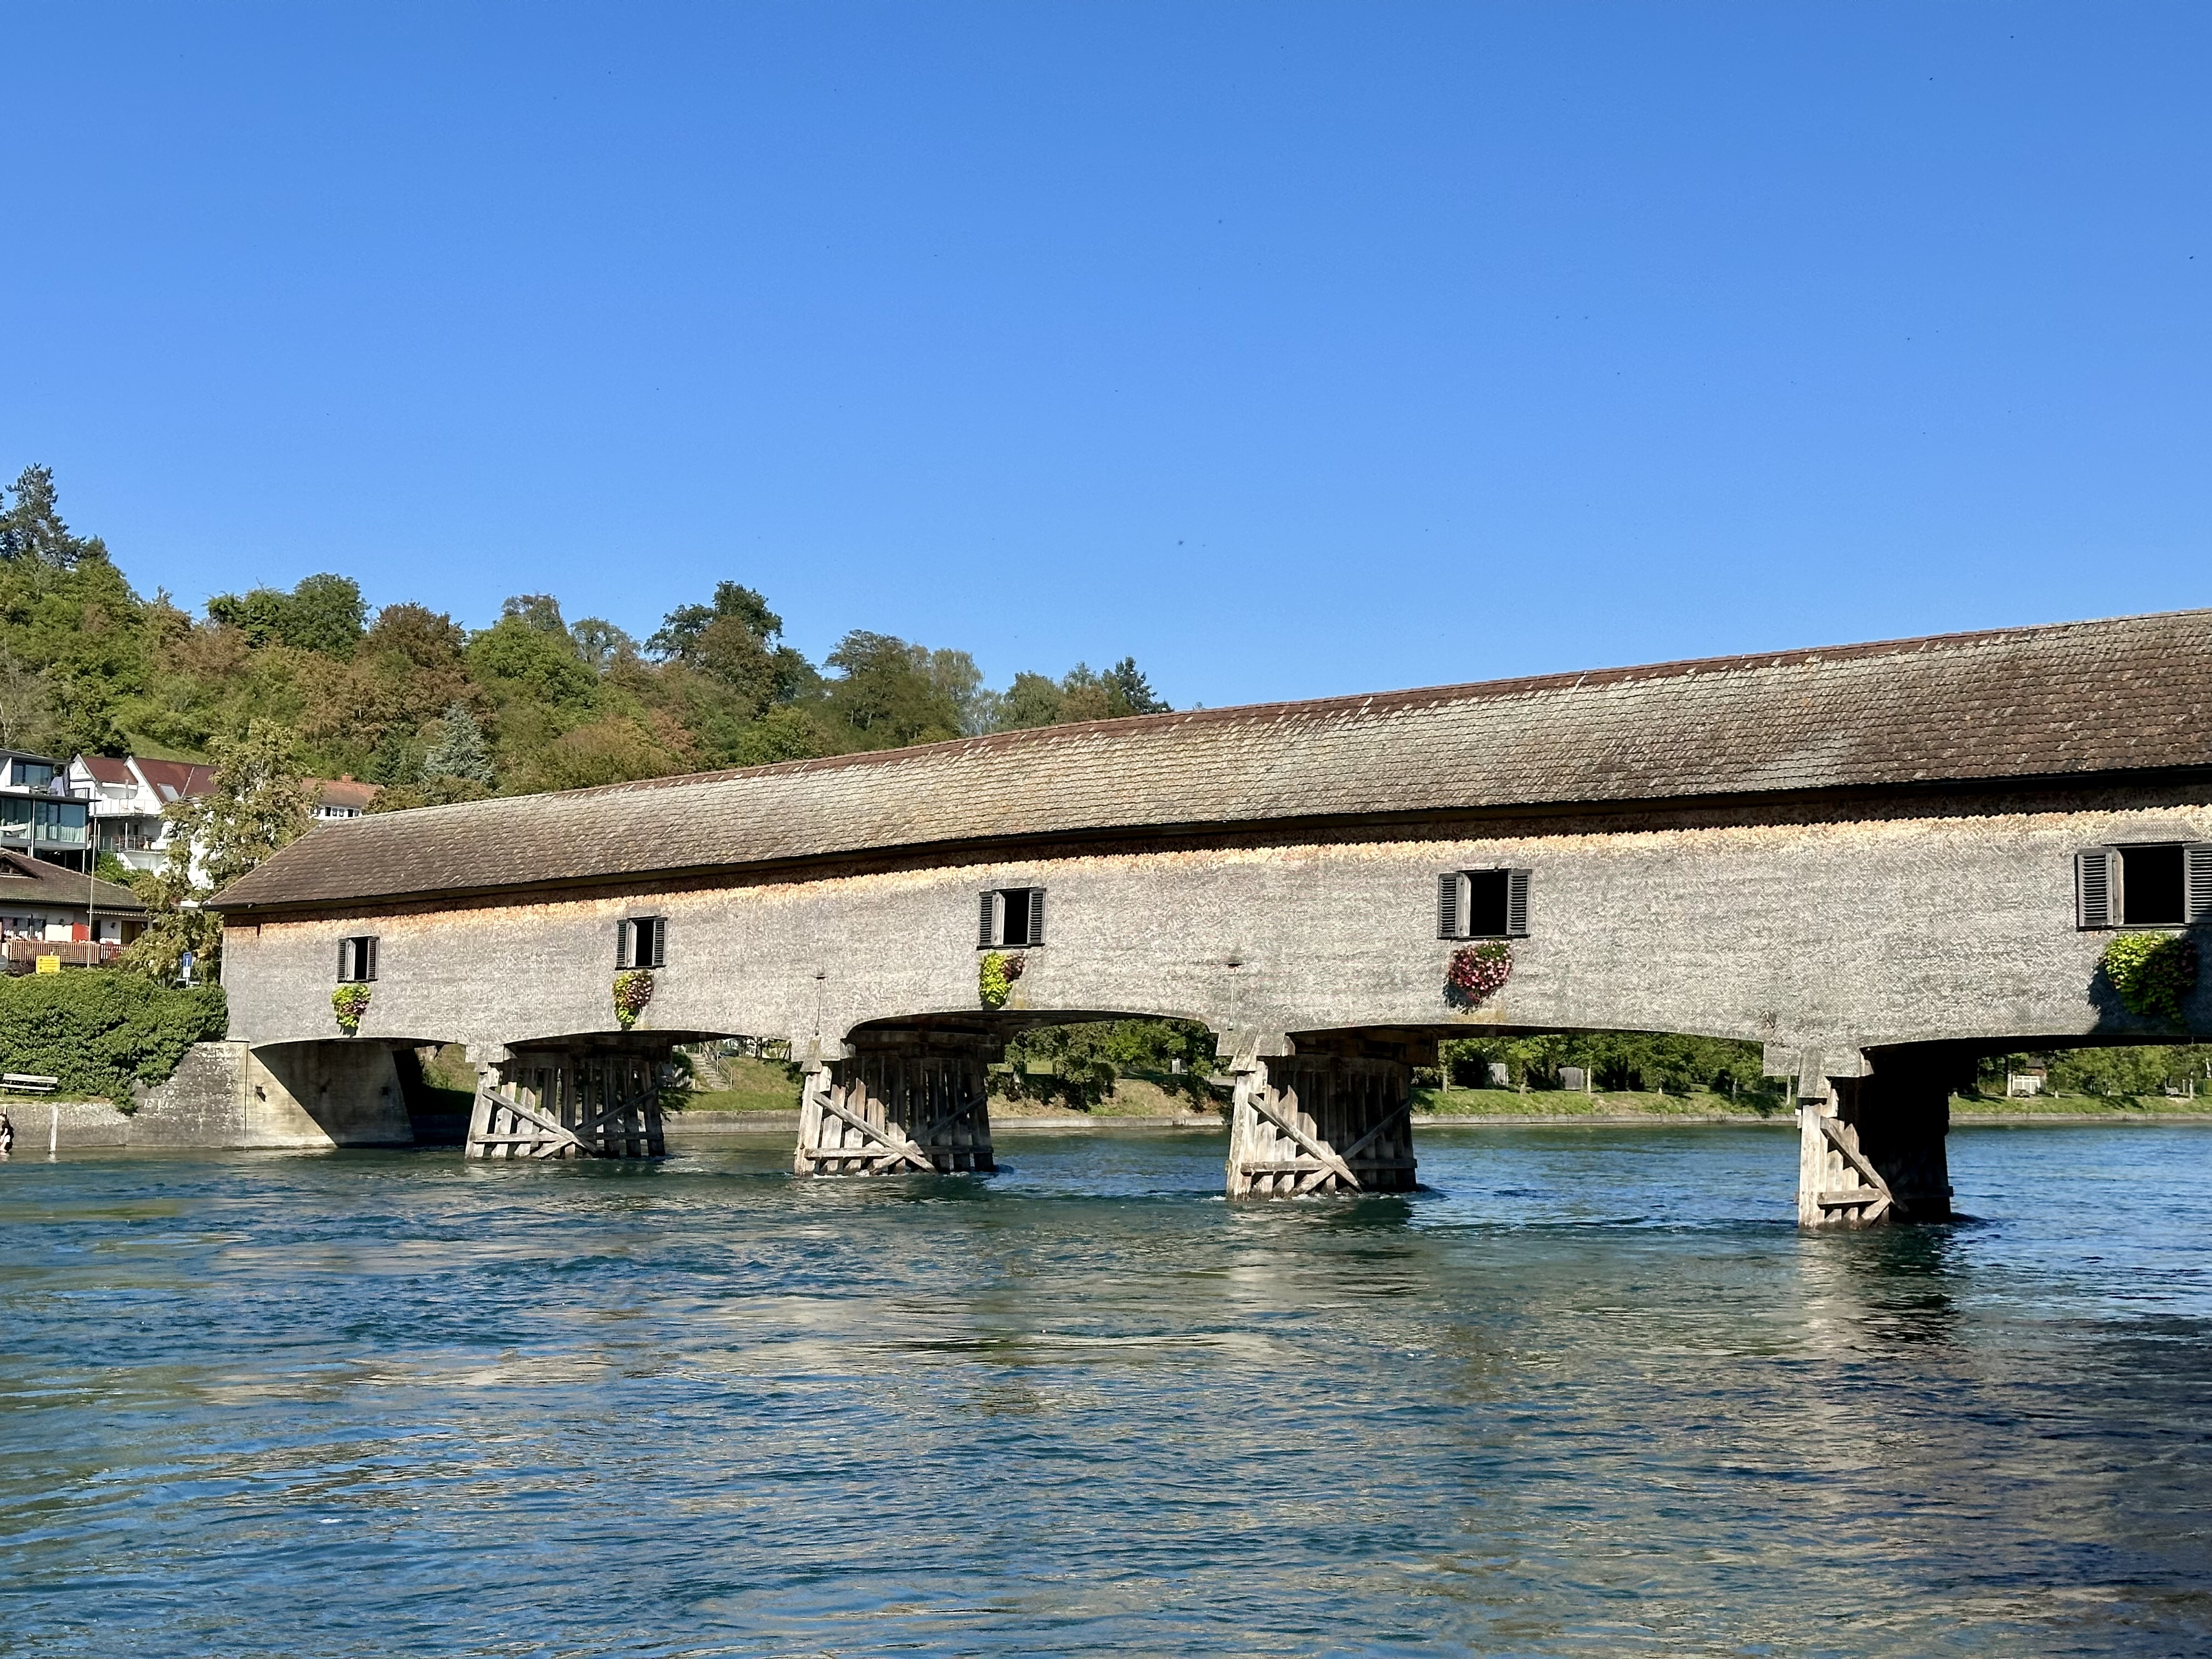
column 633, row 990
column 1477, row 972
column 350, row 1003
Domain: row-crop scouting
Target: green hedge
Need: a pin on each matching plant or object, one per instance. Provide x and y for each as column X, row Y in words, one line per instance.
column 100, row 1030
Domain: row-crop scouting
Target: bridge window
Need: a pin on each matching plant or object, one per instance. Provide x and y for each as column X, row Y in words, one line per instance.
column 642, row 942
column 1011, row 916
column 2166, row 884
column 1482, row 904
column 357, row 959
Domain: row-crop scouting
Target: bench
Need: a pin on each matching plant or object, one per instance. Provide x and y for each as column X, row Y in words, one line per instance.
column 23, row 1083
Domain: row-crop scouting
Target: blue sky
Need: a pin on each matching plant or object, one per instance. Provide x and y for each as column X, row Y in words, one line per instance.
column 1296, row 349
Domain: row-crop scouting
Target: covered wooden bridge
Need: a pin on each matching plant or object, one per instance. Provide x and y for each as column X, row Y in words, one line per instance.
column 1878, row 860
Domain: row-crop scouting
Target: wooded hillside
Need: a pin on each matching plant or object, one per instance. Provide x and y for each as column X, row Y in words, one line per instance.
column 410, row 698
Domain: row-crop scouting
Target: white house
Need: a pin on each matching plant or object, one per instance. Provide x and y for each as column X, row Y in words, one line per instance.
column 127, row 797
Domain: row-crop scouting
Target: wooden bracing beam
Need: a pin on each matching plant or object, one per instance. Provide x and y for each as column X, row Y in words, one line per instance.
column 1830, row 1160
column 550, row 1103
column 1325, row 1122
column 905, row 1103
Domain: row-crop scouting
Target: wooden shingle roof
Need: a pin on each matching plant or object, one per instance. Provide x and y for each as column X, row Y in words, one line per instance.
column 2064, row 701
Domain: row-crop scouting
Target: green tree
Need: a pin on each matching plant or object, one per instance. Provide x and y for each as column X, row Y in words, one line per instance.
column 1661, row 1063
column 418, row 635
column 600, row 643
column 26, row 703
column 31, row 526
column 732, row 644
column 541, row 611
column 888, row 693
column 460, row 750
column 1032, row 700
column 781, row 735
column 1130, row 691
column 259, row 802
column 259, row 613
column 2121, row 1072
column 1078, row 1064
column 326, row 614
column 683, row 629
column 615, row 749
column 518, row 660
column 1083, row 694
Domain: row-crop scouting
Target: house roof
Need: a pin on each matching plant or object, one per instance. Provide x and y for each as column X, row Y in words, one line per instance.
column 174, row 780
column 24, row 880
column 2066, row 701
column 346, row 792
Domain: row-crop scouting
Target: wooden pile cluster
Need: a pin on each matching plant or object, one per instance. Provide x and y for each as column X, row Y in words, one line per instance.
column 542, row 1103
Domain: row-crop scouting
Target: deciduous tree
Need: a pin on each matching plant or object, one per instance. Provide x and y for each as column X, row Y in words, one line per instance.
column 259, row 803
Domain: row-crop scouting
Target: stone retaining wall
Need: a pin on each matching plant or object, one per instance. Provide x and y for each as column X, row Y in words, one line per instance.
column 66, row 1123
column 225, row 1094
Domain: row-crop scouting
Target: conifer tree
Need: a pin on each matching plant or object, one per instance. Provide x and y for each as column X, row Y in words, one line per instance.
column 460, row 750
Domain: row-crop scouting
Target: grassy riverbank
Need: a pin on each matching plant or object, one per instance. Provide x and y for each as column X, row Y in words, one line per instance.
column 758, row 1085
column 1568, row 1103
column 763, row 1086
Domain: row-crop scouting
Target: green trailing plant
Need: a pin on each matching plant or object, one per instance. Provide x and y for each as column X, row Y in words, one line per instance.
column 633, row 990
column 2152, row 972
column 995, row 977
column 350, row 1003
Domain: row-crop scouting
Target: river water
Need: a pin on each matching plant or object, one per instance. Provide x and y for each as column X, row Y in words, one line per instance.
column 1589, row 1392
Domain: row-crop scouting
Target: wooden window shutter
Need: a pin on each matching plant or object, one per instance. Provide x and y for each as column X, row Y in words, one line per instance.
column 345, row 960
column 368, row 951
column 1451, row 890
column 1516, row 903
column 2196, row 865
column 656, row 952
column 986, row 929
column 623, row 933
column 2092, row 888
column 1037, row 916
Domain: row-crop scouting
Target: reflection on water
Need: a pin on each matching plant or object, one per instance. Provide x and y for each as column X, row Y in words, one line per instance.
column 1589, row 1393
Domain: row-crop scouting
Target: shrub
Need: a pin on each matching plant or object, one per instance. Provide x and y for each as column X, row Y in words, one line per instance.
column 100, row 1031
column 1077, row 1066
column 2152, row 972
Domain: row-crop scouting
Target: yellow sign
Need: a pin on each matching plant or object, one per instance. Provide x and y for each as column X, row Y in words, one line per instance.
column 50, row 964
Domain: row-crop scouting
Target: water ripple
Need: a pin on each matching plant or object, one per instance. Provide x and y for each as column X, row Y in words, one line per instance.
column 1588, row 1393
